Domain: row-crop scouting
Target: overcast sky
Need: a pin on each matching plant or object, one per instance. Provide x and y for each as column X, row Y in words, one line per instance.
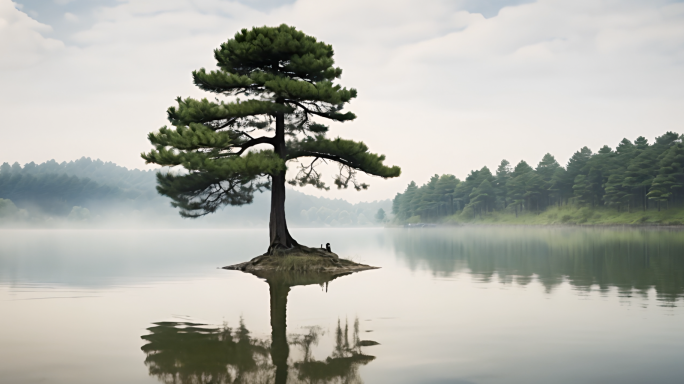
column 444, row 86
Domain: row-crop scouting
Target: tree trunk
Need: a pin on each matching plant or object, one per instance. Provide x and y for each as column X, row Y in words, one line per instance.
column 643, row 198
column 279, row 235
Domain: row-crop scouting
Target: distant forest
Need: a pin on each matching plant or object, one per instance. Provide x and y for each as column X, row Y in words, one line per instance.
column 55, row 188
column 633, row 176
column 85, row 190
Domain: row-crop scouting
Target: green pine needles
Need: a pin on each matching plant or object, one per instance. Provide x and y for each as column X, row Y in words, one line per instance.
column 279, row 85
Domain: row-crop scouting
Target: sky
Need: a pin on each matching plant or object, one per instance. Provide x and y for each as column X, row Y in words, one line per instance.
column 443, row 86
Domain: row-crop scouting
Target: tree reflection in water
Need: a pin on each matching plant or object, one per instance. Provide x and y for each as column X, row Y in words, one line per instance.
column 192, row 353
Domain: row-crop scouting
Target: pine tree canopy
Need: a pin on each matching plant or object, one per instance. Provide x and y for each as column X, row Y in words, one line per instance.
column 275, row 80
column 521, row 168
column 547, row 166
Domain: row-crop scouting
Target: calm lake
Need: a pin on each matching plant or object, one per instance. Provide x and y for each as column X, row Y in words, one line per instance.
column 449, row 305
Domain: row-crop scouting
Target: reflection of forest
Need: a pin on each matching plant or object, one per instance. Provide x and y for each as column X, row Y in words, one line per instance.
column 191, row 353
column 627, row 259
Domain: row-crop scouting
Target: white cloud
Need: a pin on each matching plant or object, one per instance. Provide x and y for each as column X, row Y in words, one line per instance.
column 70, row 17
column 440, row 89
column 21, row 40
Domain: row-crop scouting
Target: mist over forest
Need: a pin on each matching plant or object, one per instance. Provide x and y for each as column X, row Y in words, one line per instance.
column 88, row 192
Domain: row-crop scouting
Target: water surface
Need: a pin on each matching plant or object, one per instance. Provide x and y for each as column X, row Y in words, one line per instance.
column 463, row 305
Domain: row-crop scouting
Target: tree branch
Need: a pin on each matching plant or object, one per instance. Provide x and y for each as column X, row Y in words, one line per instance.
column 298, row 154
column 309, row 175
column 251, row 143
column 227, row 123
column 307, row 110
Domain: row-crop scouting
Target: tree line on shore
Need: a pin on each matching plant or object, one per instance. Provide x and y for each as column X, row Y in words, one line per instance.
column 633, row 176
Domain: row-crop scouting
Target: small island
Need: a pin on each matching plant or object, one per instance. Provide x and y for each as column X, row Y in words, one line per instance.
column 300, row 259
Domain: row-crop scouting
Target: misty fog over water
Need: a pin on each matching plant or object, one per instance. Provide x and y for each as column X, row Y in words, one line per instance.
column 467, row 304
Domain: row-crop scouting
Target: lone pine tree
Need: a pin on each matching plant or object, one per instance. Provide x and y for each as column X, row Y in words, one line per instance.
column 286, row 79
